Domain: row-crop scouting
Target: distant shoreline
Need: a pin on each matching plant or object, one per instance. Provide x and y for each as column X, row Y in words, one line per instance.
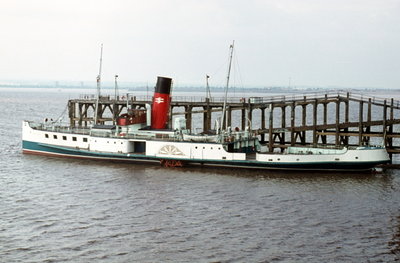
column 132, row 88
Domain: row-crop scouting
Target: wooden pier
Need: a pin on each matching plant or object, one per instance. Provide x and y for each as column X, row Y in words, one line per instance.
column 335, row 118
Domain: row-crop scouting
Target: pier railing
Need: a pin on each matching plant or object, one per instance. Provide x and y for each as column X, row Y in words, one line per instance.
column 254, row 99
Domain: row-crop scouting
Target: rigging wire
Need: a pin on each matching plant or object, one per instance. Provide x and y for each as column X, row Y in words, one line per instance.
column 218, row 76
column 61, row 115
column 237, row 76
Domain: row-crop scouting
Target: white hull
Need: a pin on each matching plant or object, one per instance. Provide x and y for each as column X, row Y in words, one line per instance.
column 83, row 145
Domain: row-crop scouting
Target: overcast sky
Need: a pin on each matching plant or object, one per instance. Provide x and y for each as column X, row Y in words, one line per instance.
column 347, row 43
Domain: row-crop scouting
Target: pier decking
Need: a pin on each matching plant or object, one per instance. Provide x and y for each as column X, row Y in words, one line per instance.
column 333, row 118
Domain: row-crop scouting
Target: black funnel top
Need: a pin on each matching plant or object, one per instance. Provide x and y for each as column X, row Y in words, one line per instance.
column 163, row 85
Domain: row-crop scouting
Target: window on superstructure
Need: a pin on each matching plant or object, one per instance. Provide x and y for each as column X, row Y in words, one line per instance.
column 74, row 139
column 46, row 136
column 84, row 139
column 64, row 138
column 55, row 137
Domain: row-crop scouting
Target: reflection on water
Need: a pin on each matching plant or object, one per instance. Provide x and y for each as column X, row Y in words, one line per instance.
column 394, row 243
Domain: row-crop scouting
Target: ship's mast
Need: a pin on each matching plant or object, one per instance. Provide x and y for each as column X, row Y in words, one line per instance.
column 98, row 85
column 226, row 89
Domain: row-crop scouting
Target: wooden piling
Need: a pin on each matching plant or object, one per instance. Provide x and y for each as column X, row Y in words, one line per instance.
column 304, row 122
column 292, row 124
column 360, row 123
column 243, row 118
column 384, row 118
column 71, row 111
column 315, row 111
column 188, row 116
column 346, row 117
column 283, row 126
column 263, row 123
column 229, row 116
column 337, row 136
column 270, row 127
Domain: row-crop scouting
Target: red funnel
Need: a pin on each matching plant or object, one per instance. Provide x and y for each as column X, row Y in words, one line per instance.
column 161, row 100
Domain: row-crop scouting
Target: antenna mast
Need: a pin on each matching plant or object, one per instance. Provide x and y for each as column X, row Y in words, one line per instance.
column 226, row 88
column 98, row 85
column 99, row 76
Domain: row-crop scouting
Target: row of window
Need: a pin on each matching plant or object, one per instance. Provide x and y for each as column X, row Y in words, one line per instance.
column 64, row 137
column 109, row 142
column 219, row 148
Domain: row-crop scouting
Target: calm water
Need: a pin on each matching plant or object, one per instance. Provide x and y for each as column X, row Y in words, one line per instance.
column 62, row 210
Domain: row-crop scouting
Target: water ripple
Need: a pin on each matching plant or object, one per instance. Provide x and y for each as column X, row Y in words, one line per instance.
column 56, row 210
